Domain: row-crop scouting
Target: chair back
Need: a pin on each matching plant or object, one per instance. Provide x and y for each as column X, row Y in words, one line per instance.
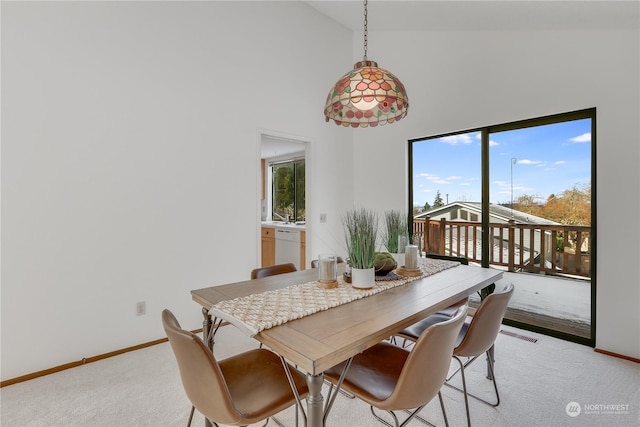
column 462, row 260
column 427, row 365
column 485, row 324
column 273, row 270
column 200, row 373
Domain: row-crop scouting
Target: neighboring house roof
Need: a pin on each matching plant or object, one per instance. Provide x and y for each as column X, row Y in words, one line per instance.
column 496, row 211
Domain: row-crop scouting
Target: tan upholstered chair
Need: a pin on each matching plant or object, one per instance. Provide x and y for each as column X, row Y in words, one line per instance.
column 462, row 260
column 476, row 337
column 256, row 273
column 240, row 390
column 391, row 378
column 314, row 262
column 444, row 314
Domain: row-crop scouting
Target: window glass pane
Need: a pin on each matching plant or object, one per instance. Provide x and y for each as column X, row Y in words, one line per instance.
column 283, row 190
column 300, row 191
column 289, row 190
column 446, row 178
column 445, row 170
column 541, row 183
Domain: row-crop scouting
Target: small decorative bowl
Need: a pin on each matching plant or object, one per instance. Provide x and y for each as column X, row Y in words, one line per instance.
column 386, row 269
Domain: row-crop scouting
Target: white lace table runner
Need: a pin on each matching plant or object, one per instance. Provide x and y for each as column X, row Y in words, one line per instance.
column 257, row 312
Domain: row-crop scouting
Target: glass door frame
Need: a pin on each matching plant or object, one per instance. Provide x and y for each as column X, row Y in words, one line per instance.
column 485, row 132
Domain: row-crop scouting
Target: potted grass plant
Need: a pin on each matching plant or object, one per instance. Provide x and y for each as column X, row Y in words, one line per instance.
column 361, row 229
column 395, row 235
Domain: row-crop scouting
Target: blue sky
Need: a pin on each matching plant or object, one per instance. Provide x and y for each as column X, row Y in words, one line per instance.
column 548, row 160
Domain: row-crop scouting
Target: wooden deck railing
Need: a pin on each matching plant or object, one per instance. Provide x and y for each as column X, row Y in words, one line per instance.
column 547, row 249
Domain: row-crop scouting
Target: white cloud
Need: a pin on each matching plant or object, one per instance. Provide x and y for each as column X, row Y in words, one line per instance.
column 559, row 162
column 492, row 143
column 464, row 139
column 435, row 179
column 585, row 137
column 428, row 176
column 528, row 162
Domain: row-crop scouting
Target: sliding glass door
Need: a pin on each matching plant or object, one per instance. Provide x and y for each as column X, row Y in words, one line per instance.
column 517, row 197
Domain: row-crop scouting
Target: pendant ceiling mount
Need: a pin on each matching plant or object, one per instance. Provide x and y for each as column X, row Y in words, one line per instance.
column 367, row 95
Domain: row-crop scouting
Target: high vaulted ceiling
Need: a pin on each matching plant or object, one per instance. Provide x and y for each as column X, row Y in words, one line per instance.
column 483, row 15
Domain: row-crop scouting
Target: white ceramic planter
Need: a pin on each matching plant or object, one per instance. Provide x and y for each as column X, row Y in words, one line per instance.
column 363, row 278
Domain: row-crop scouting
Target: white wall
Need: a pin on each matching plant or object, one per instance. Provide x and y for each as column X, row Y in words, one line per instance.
column 461, row 80
column 129, row 160
column 125, row 179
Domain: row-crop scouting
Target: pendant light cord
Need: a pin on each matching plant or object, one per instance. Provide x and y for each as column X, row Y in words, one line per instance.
column 365, row 30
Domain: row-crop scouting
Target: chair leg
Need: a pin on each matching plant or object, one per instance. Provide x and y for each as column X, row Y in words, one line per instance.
column 294, row 389
column 193, row 408
column 331, row 395
column 491, row 376
column 275, row 420
column 464, row 385
column 490, row 359
column 491, row 365
column 464, row 390
column 467, row 363
column 344, row 393
column 383, row 421
column 413, row 415
column 422, row 420
column 444, row 412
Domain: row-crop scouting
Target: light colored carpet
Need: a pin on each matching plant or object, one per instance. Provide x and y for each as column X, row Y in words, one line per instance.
column 536, row 381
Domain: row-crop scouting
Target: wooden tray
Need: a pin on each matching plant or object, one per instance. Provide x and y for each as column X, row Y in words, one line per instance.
column 409, row 272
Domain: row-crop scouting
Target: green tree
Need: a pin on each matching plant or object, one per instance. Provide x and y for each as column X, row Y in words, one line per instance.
column 437, row 201
column 283, row 188
column 427, row 206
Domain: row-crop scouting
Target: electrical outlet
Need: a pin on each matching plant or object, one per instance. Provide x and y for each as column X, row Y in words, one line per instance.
column 141, row 308
column 323, row 217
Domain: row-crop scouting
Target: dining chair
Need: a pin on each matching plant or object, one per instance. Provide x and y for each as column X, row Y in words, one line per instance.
column 462, row 260
column 314, row 262
column 242, row 389
column 445, row 313
column 391, row 378
column 272, row 270
column 476, row 338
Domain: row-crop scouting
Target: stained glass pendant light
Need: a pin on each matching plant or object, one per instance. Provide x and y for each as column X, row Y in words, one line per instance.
column 367, row 95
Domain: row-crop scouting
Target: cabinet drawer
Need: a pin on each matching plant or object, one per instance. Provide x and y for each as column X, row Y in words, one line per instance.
column 268, row 232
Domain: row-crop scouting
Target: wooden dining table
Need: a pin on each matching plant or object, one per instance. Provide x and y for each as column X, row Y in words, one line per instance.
column 324, row 339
